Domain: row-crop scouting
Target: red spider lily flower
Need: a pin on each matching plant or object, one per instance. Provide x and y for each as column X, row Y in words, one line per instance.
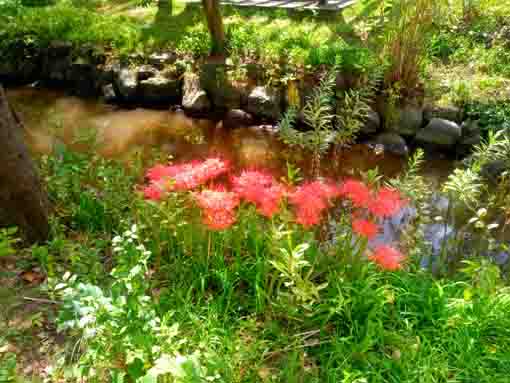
column 159, row 172
column 356, row 191
column 218, row 220
column 309, row 213
column 311, row 199
column 189, row 175
column 261, row 189
column 268, row 203
column 386, row 203
column 152, row 192
column 365, row 228
column 249, row 183
column 218, row 207
column 387, row 258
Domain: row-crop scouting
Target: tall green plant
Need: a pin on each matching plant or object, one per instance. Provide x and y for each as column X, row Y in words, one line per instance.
column 406, row 25
column 318, row 115
column 324, row 127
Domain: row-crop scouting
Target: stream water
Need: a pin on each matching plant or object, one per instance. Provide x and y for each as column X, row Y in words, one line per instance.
column 52, row 116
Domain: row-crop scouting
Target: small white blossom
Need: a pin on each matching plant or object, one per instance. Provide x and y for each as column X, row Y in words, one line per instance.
column 481, row 212
column 493, row 226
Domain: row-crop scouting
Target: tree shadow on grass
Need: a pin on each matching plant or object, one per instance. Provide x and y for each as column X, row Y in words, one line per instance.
column 168, row 29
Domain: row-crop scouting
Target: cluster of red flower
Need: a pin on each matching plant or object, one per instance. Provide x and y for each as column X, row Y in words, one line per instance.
column 310, row 199
column 261, row 189
column 218, row 207
column 182, row 177
column 387, row 257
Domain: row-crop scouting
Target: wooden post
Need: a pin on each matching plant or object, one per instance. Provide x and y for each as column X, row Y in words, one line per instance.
column 23, row 201
column 165, row 7
column 215, row 24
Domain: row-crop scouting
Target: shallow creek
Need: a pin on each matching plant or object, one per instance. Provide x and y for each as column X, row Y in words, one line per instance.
column 52, row 116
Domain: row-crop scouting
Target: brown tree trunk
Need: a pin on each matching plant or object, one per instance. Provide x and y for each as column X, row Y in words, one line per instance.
column 23, row 201
column 215, row 24
column 164, row 8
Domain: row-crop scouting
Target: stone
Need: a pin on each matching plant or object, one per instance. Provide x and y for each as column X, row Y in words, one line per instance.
column 237, row 118
column 126, row 84
column 264, row 103
column 106, row 73
column 160, row 90
column 159, row 60
column 471, row 127
column 255, row 71
column 372, row 123
column 407, row 120
column 493, row 170
column 59, row 48
column 440, row 132
column 108, row 93
column 393, row 143
column 221, row 92
column 194, row 98
column 56, row 61
column 451, row 113
column 82, row 76
column 19, row 71
column 471, row 136
column 145, row 72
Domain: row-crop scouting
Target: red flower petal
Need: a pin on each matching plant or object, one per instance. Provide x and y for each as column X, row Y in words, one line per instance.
column 387, row 258
column 365, row 228
column 386, row 203
column 357, row 192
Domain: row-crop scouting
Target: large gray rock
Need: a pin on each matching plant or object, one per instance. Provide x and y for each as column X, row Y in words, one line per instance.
column 392, row 143
column 237, row 118
column 20, row 69
column 451, row 113
column 264, row 103
column 407, row 121
column 126, row 84
column 471, row 136
column 159, row 60
column 372, row 123
column 160, row 90
column 214, row 80
column 440, row 132
column 194, row 98
column 108, row 93
column 145, row 72
column 493, row 170
column 56, row 61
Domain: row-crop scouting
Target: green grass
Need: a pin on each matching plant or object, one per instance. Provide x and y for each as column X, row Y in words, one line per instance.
column 366, row 326
column 265, row 36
